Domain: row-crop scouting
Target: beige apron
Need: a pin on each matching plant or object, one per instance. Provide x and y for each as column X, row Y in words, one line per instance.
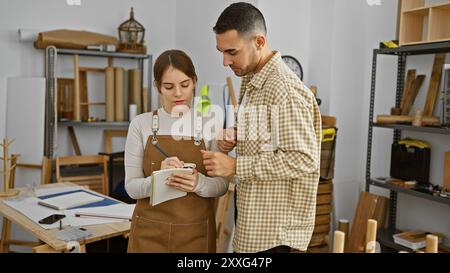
column 181, row 225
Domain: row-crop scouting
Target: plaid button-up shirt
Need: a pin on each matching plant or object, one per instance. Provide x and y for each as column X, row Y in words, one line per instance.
column 278, row 158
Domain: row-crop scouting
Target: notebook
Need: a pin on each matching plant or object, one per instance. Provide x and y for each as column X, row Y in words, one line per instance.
column 160, row 192
column 71, row 200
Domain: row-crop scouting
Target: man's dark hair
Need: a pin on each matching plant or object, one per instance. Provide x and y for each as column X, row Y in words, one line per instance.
column 245, row 18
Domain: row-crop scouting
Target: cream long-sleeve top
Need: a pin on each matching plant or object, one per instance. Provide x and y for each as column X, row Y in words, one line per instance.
column 138, row 186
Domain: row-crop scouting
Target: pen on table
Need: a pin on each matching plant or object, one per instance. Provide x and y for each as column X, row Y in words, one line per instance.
column 87, row 215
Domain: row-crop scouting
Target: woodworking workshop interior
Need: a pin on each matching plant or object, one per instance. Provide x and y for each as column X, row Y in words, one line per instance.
column 301, row 127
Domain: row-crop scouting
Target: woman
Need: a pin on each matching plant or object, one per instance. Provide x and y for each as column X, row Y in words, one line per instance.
column 164, row 139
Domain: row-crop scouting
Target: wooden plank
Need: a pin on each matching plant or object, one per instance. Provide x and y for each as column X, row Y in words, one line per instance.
column 318, row 249
column 447, row 171
column 92, row 69
column 29, row 166
column 325, row 188
column 84, row 108
column 370, row 206
column 399, row 16
column 412, row 94
column 435, row 81
column 92, row 103
column 321, row 229
column 74, row 140
column 323, row 220
column 47, row 169
column 80, row 160
column 390, row 119
column 323, row 209
column 232, row 91
column 410, row 77
column 323, row 199
column 319, row 239
column 412, row 4
column 76, row 89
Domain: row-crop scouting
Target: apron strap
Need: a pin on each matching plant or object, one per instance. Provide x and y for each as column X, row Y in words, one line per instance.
column 155, row 126
column 198, row 127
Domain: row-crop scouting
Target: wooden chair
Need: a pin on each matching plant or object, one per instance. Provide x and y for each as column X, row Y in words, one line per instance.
column 96, row 182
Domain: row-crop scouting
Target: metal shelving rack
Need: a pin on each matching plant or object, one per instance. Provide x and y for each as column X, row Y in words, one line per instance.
column 402, row 53
column 51, row 77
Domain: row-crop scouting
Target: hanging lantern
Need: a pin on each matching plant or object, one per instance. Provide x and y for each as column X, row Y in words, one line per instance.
column 131, row 36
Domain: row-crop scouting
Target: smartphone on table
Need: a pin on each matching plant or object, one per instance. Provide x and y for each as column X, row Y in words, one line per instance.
column 51, row 219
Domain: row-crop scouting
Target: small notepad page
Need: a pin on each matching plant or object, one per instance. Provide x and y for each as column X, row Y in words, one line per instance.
column 160, row 192
column 71, row 200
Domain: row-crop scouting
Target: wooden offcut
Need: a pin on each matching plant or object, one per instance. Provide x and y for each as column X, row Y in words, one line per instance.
column 338, row 242
column 232, row 91
column 435, row 81
column 410, row 77
column 65, row 98
column 370, row 206
column 390, row 119
column 135, row 89
column 74, row 140
column 328, row 121
column 447, row 171
column 412, row 94
column 76, row 101
column 84, row 99
column 431, row 244
column 109, row 94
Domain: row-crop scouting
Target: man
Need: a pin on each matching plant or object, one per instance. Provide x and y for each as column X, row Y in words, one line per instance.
column 278, row 140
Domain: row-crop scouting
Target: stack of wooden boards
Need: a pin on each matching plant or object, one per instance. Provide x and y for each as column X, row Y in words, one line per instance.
column 413, row 84
column 320, row 239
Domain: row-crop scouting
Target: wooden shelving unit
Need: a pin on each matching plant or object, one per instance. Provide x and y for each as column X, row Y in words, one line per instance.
column 421, row 23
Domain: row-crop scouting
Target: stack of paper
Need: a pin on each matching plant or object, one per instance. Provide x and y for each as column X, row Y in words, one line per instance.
column 113, row 212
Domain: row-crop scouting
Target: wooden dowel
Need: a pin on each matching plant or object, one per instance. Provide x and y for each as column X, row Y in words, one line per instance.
column 371, row 236
column 344, row 226
column 338, row 242
column 432, row 244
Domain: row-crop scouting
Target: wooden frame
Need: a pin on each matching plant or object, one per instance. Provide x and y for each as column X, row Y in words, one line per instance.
column 80, row 91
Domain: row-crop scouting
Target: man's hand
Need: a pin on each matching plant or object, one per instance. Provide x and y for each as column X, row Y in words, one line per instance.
column 218, row 164
column 227, row 140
